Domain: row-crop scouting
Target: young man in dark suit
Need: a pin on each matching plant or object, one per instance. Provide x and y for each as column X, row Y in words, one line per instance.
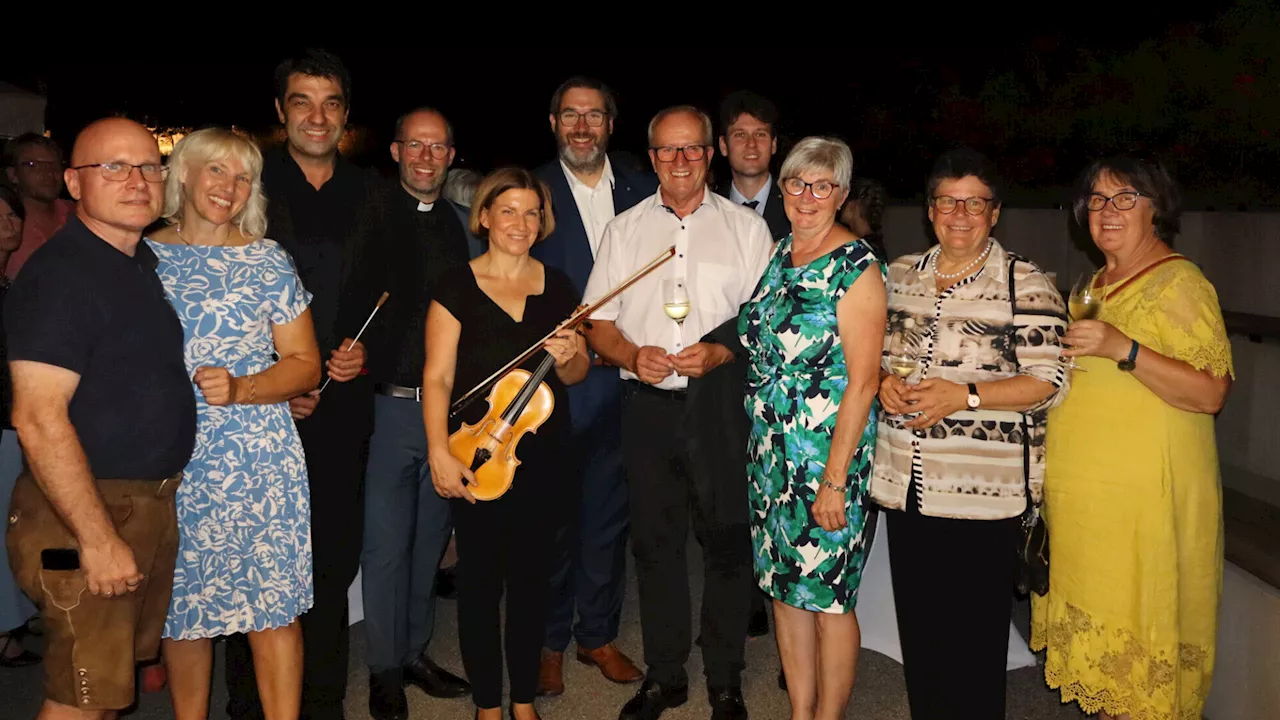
column 587, row 191
column 749, row 140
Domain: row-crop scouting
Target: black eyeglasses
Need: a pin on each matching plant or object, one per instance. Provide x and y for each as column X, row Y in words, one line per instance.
column 821, row 190
column 415, row 148
column 595, row 118
column 1122, row 200
column 946, row 204
column 120, row 171
column 692, row 153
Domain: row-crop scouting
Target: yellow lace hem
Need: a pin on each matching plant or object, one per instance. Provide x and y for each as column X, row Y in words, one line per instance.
column 1110, row 670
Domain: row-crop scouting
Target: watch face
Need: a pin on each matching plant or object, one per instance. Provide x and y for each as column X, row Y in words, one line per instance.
column 974, row 401
column 1126, row 365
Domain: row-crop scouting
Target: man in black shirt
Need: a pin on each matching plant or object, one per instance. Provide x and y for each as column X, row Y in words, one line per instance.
column 327, row 213
column 91, row 339
column 406, row 523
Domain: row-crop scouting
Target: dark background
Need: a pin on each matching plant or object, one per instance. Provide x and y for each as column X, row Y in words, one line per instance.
column 1199, row 87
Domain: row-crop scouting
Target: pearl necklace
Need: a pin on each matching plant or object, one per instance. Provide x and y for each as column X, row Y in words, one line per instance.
column 965, row 271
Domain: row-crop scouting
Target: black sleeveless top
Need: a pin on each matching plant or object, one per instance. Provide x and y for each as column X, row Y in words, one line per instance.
column 490, row 339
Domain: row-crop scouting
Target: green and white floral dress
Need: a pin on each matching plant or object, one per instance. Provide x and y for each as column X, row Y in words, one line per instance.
column 795, row 381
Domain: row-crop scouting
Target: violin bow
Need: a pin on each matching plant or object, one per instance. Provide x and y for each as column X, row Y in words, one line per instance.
column 573, row 321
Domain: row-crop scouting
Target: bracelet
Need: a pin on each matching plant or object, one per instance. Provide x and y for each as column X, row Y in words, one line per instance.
column 833, row 486
column 253, row 390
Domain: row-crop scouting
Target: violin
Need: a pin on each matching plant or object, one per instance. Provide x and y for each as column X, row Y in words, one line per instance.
column 519, row 403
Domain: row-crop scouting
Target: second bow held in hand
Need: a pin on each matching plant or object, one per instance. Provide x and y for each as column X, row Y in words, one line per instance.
column 519, row 403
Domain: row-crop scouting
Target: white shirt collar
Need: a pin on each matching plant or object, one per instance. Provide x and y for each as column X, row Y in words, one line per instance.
column 762, row 197
column 425, row 207
column 575, row 183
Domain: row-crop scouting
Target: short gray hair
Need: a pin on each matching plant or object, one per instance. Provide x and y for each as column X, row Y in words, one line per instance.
column 209, row 145
column 708, row 131
column 814, row 154
column 460, row 186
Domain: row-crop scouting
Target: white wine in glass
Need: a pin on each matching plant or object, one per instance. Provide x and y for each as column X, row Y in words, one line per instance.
column 1084, row 303
column 903, row 357
column 675, row 299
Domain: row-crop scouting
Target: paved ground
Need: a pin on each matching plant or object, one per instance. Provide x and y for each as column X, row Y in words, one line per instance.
column 880, row 692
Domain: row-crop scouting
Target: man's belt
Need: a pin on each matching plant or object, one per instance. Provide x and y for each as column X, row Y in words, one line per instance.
column 409, row 393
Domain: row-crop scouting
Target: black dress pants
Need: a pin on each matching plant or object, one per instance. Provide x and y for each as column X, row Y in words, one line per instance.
column 336, row 442
column 664, row 496
column 953, row 588
column 508, row 545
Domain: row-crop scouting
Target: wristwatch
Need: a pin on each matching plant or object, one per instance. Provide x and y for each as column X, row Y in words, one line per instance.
column 1128, row 364
column 974, row 400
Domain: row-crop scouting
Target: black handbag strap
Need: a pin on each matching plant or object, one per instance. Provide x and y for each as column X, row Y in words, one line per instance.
column 1029, row 513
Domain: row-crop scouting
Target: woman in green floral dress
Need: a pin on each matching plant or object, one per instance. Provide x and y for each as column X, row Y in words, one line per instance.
column 814, row 330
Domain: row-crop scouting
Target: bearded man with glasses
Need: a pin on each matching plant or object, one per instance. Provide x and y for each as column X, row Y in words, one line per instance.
column 684, row 427
column 589, row 571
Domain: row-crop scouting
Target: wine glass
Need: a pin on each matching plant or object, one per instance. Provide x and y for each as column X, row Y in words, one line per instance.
column 904, row 356
column 675, row 299
column 1084, row 303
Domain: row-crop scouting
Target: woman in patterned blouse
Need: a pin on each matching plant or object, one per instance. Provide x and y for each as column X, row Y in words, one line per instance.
column 949, row 466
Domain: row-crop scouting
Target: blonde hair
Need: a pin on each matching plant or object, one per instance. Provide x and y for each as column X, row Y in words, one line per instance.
column 502, row 180
column 211, row 145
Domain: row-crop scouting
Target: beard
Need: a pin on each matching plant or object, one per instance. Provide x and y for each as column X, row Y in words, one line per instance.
column 592, row 160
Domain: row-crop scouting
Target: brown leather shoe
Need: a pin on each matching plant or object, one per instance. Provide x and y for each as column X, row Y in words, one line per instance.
column 551, row 674
column 615, row 666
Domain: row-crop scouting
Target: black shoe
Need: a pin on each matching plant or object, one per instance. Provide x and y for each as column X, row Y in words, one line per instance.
column 652, row 700
column 446, row 583
column 759, row 623
column 511, row 713
column 435, row 680
column 386, row 696
column 727, row 704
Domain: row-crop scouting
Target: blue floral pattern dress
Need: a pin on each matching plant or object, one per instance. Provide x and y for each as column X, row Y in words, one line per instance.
column 244, row 517
column 795, row 382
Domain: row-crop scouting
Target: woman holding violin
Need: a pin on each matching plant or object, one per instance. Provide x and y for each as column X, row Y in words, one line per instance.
column 478, row 322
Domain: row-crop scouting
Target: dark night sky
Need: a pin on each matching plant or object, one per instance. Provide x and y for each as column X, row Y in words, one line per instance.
column 881, row 97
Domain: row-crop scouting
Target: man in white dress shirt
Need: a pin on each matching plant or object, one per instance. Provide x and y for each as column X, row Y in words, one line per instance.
column 684, row 405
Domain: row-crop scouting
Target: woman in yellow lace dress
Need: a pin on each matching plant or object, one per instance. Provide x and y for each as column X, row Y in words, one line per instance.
column 1132, row 496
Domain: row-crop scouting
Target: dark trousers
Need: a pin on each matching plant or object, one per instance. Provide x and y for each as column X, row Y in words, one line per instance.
column 953, row 588
column 336, row 442
column 657, row 435
column 506, row 544
column 590, row 569
column 406, row 529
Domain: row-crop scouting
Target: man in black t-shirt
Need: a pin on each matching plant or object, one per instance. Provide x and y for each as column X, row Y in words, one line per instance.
column 106, row 415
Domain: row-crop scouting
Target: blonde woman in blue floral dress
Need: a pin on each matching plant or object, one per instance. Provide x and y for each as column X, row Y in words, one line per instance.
column 814, row 330
column 244, row 555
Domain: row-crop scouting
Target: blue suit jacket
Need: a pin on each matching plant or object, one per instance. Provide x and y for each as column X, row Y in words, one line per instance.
column 568, row 250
